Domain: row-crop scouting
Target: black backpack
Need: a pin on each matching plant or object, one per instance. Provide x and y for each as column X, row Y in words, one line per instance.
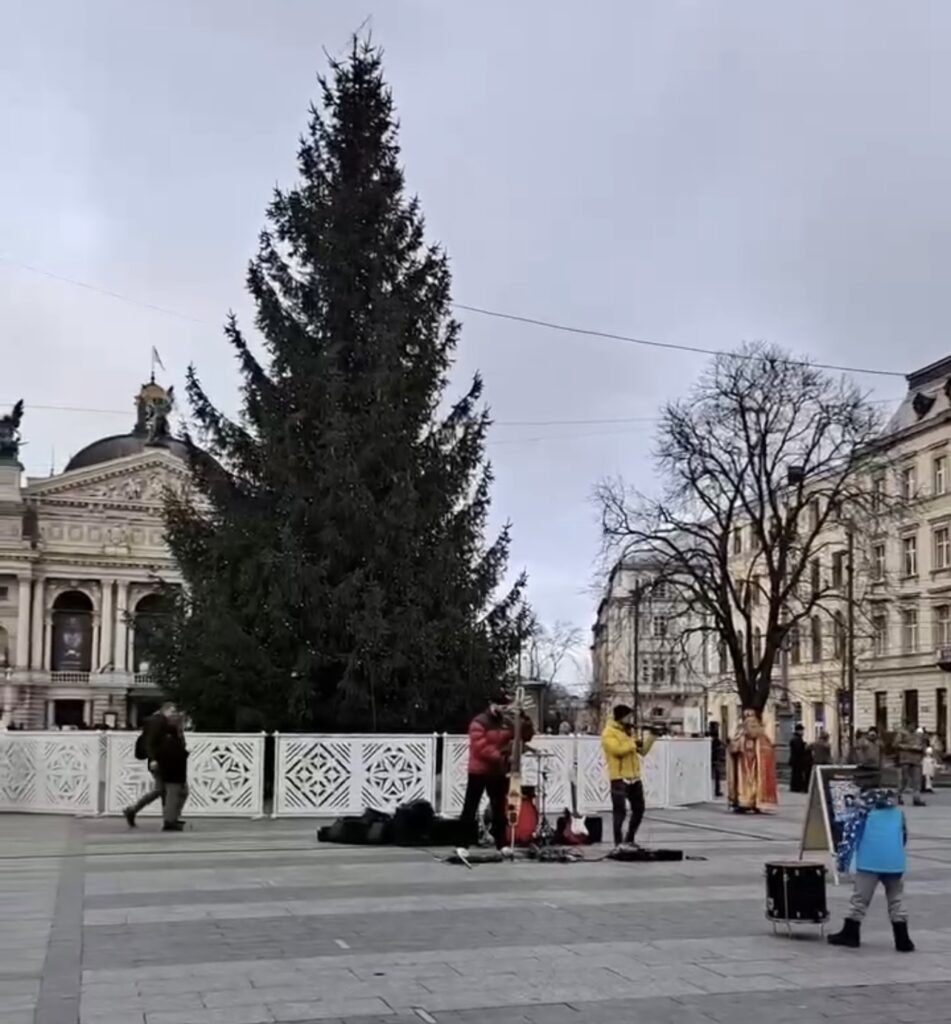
column 141, row 748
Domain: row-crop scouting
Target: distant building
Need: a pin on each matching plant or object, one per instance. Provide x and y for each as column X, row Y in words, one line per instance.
column 81, row 553
column 643, row 643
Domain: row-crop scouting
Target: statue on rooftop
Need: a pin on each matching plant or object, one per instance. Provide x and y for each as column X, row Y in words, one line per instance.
column 10, row 432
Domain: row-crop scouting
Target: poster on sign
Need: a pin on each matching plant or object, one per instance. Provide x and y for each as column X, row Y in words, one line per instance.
column 833, row 799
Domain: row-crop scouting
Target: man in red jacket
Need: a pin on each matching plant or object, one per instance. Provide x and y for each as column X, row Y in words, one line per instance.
column 490, row 746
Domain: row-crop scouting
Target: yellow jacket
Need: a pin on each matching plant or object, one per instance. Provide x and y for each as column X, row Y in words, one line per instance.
column 622, row 753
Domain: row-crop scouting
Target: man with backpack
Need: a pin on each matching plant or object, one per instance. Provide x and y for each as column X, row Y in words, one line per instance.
column 147, row 748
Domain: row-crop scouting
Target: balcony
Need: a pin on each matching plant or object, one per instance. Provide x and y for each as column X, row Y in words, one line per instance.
column 69, row 678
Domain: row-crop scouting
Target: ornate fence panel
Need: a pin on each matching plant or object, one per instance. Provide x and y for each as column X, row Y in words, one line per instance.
column 455, row 760
column 225, row 774
column 49, row 773
column 594, row 789
column 331, row 775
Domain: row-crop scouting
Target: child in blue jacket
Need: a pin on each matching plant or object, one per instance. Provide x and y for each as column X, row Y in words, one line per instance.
column 873, row 846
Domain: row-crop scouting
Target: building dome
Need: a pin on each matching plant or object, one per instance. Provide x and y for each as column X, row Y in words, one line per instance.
column 151, row 431
column 119, row 446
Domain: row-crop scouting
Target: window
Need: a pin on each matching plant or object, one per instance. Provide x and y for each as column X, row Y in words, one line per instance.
column 661, row 591
column 738, row 541
column 754, row 591
column 878, row 492
column 657, row 672
column 795, row 653
column 908, row 482
column 910, row 708
column 942, row 625
column 942, row 547
column 909, row 556
column 881, row 712
column 721, row 657
column 815, row 573
column 816, row 638
column 797, row 711
column 757, row 643
column 878, row 562
column 941, row 713
column 879, row 631
column 659, row 627
column 672, row 672
column 838, row 634
column 939, row 475
column 814, row 512
column 4, row 593
column 818, row 715
column 838, row 562
column 909, row 630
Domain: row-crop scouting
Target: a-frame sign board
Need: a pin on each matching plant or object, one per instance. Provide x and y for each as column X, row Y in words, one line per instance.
column 833, row 793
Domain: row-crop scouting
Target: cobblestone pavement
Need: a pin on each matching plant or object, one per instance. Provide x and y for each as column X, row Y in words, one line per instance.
column 253, row 922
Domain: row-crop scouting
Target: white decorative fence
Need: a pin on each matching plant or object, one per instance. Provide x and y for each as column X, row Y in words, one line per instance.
column 319, row 775
column 676, row 772
column 49, row 772
column 225, row 774
column 324, row 776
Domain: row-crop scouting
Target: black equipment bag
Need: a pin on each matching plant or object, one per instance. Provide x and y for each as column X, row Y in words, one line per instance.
column 413, row 823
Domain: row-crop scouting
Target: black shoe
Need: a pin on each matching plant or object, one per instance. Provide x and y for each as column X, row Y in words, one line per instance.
column 173, row 827
column 850, row 936
column 918, row 802
column 903, row 942
column 130, row 817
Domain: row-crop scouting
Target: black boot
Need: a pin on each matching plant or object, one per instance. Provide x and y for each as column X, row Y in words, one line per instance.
column 903, row 942
column 850, row 935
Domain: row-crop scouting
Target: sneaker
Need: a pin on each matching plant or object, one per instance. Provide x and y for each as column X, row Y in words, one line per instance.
column 173, row 827
column 129, row 817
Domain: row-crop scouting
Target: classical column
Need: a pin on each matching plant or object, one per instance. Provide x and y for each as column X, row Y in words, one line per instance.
column 37, row 619
column 48, row 640
column 122, row 626
column 94, row 661
column 23, row 624
column 106, row 656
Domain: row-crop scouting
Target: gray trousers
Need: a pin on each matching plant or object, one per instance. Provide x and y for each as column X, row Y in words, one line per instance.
column 864, row 889
column 157, row 792
column 176, row 793
column 910, row 780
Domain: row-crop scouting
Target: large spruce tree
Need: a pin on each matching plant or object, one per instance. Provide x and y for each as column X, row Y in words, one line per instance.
column 335, row 568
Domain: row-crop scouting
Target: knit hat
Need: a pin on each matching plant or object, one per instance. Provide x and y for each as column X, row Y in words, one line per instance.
column 621, row 711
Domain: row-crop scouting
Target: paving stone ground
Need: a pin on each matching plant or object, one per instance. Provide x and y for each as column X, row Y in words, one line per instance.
column 253, row 922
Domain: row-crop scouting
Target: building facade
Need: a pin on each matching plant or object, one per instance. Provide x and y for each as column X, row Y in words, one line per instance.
column 901, row 567
column 645, row 652
column 82, row 554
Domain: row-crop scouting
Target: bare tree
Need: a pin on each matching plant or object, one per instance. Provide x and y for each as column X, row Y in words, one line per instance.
column 762, row 468
column 549, row 650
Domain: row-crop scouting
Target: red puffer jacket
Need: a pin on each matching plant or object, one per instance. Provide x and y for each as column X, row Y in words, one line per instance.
column 490, row 741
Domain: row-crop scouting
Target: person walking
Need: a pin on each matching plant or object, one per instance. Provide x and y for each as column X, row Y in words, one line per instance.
column 798, row 762
column 911, row 752
column 716, row 757
column 928, row 766
column 622, row 756
column 173, row 768
column 146, row 749
column 868, row 758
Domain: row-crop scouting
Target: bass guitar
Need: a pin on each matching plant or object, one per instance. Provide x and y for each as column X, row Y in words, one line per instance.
column 520, row 814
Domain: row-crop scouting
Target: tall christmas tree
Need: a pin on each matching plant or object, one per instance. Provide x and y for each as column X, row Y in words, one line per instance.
column 336, row 571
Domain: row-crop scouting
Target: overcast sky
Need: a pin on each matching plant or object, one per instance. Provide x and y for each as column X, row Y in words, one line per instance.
column 692, row 172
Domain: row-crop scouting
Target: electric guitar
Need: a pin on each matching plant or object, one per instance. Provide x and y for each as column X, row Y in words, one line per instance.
column 575, row 831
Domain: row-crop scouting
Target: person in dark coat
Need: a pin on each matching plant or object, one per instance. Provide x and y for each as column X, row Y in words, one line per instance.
column 153, row 730
column 799, row 763
column 173, row 766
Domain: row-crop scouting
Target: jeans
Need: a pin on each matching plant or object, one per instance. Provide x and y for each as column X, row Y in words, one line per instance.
column 864, row 889
column 622, row 794
column 157, row 792
column 496, row 786
column 176, row 793
column 910, row 780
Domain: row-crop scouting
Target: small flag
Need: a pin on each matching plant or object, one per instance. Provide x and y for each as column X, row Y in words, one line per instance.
column 157, row 359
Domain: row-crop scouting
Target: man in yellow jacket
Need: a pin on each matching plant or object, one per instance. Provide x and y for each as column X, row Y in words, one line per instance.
column 622, row 756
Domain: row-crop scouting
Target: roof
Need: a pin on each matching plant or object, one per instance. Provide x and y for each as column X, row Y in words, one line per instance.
column 118, row 446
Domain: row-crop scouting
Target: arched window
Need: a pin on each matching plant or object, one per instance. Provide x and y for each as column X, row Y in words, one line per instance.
column 149, row 612
column 72, row 633
column 795, row 645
